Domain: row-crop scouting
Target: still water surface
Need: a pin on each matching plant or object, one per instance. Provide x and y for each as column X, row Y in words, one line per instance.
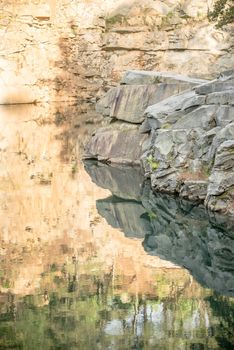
column 91, row 259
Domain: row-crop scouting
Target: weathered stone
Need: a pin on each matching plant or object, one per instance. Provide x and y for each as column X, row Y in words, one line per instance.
column 187, row 147
column 128, row 102
column 194, row 101
column 219, row 182
column 164, row 142
column 202, row 117
column 134, row 77
column 194, row 190
column 103, row 106
column 224, row 159
column 85, row 46
column 123, row 145
column 169, row 105
column 226, row 75
column 224, row 115
column 217, row 86
column 168, row 183
column 222, row 97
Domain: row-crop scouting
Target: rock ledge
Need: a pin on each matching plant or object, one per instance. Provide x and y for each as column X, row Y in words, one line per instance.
column 180, row 129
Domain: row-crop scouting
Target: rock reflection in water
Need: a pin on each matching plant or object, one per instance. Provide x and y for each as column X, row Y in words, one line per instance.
column 172, row 228
column 68, row 280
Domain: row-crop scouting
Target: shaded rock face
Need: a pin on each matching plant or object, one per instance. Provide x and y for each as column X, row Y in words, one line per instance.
column 66, row 50
column 116, row 144
column 128, row 101
column 171, row 228
column 184, row 141
column 121, row 141
column 190, row 151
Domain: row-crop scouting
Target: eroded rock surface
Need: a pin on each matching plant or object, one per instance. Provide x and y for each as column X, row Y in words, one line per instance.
column 121, row 143
column 190, row 135
column 184, row 141
column 67, row 50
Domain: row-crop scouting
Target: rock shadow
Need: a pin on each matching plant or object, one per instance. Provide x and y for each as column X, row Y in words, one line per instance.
column 171, row 228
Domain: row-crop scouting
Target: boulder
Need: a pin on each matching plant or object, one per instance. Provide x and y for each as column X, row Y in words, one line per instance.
column 116, row 145
column 128, row 102
column 185, row 140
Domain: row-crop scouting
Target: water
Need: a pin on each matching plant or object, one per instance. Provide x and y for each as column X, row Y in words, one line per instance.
column 91, row 259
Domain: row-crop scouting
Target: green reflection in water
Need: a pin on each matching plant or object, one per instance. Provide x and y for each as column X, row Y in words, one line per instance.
column 91, row 315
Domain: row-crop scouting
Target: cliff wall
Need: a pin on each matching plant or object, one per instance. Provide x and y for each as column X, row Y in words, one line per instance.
column 59, row 50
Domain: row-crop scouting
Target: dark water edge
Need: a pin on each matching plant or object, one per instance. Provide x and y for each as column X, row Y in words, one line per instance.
column 172, row 228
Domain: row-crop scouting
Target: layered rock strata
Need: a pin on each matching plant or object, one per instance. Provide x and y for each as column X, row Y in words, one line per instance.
column 67, row 50
column 185, row 142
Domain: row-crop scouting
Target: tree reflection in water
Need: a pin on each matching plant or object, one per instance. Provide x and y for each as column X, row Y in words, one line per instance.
column 97, row 317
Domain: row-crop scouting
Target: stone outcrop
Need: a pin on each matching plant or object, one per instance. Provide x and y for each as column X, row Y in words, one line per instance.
column 185, row 141
column 172, row 228
column 193, row 132
column 67, row 50
column 122, row 141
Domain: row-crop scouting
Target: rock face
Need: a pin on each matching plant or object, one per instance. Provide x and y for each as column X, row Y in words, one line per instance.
column 128, row 101
column 185, row 141
column 174, row 229
column 191, row 149
column 122, row 141
column 67, row 50
column 119, row 143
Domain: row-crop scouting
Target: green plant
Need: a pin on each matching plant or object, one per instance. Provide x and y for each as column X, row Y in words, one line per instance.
column 152, row 215
column 114, row 20
column 222, row 13
column 165, row 126
column 152, row 162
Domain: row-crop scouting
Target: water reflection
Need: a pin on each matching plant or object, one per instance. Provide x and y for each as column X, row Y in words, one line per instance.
column 68, row 280
column 173, row 229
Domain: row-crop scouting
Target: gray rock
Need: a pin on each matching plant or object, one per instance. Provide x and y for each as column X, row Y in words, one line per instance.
column 224, row 115
column 134, row 77
column 128, row 102
column 169, row 105
column 201, row 117
column 122, row 145
column 165, row 181
column 185, row 143
column 194, row 190
column 226, row 75
column 150, row 124
column 219, row 182
column 222, row 98
column 215, row 86
column 224, row 159
column 103, row 106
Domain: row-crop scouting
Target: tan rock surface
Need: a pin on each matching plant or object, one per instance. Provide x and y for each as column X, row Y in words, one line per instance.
column 65, row 50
